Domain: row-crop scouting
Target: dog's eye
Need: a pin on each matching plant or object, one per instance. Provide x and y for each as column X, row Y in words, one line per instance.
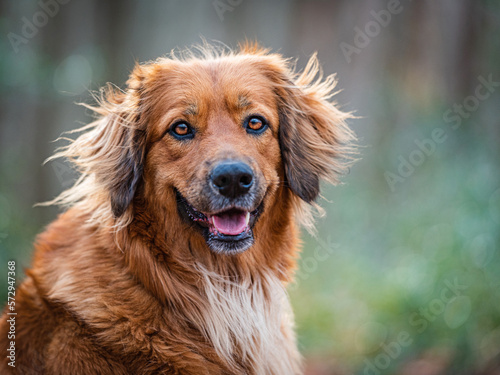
column 256, row 124
column 182, row 130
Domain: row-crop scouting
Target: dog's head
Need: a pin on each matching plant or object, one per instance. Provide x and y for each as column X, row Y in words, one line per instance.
column 215, row 137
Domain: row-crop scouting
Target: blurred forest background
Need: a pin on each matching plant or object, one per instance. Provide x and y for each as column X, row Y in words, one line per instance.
column 404, row 274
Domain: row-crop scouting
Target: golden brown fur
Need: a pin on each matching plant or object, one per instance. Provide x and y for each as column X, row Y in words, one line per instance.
column 120, row 283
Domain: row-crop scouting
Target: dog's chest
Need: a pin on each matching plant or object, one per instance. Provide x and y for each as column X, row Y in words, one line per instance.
column 251, row 324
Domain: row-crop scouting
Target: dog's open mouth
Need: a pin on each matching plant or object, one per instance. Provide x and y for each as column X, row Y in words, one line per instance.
column 228, row 231
column 232, row 222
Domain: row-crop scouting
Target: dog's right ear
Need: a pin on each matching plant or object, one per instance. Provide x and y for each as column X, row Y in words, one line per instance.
column 122, row 142
column 113, row 152
column 125, row 174
column 110, row 152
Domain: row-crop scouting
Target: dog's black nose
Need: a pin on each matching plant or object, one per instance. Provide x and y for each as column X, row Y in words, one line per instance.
column 232, row 178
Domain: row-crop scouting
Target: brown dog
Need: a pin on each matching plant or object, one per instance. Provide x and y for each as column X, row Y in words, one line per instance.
column 180, row 237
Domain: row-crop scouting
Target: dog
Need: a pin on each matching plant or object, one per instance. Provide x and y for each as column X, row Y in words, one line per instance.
column 181, row 233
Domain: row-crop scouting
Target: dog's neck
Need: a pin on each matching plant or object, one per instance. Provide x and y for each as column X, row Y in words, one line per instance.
column 167, row 239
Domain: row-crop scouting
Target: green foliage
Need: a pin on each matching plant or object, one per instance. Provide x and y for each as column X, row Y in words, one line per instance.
column 397, row 251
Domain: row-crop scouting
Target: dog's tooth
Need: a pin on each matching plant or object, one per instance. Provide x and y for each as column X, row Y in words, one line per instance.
column 247, row 218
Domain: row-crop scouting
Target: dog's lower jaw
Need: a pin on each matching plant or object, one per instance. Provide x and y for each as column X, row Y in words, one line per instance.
column 231, row 246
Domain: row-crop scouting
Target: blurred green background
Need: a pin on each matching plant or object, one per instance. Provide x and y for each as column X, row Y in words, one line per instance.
column 404, row 274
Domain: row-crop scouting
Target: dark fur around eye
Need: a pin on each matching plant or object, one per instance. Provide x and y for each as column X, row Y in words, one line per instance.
column 252, row 123
column 181, row 130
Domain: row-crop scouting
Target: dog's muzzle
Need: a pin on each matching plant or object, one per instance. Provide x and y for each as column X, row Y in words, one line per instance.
column 231, row 207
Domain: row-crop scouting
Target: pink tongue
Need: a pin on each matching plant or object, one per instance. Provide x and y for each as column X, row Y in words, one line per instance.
column 230, row 223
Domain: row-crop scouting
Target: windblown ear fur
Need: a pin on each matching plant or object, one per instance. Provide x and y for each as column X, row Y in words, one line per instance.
column 109, row 155
column 128, row 168
column 314, row 138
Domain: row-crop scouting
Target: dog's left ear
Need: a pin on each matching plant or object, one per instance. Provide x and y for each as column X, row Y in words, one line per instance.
column 314, row 138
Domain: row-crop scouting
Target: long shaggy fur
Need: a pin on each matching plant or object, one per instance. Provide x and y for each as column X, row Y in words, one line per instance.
column 120, row 283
